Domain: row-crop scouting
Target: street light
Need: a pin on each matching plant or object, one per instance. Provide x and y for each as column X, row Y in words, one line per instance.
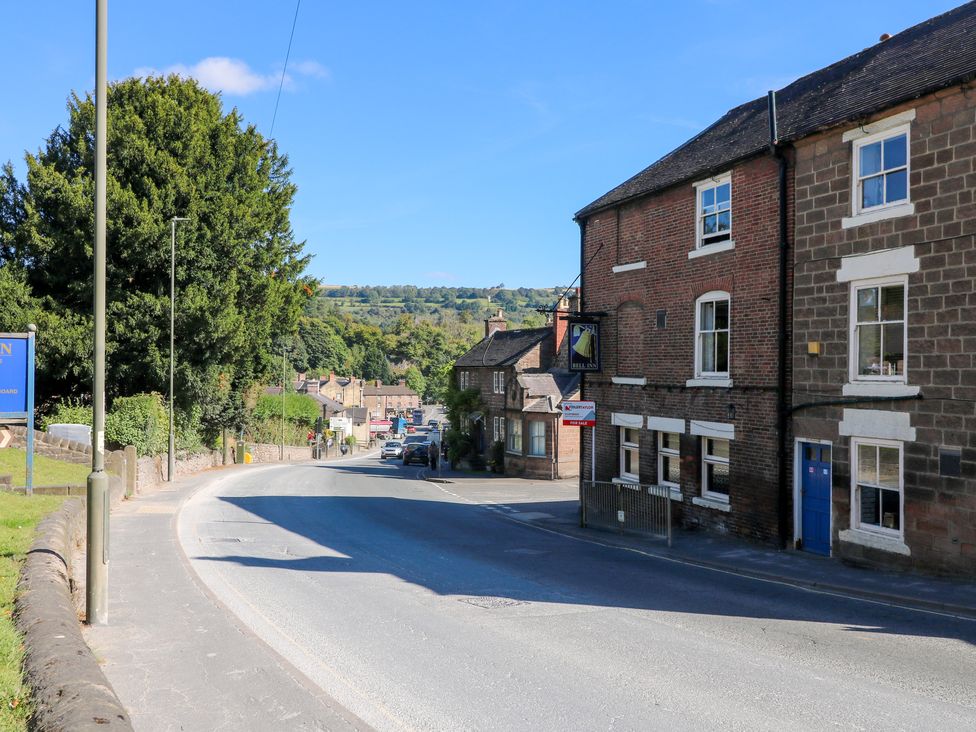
column 171, row 461
column 284, row 375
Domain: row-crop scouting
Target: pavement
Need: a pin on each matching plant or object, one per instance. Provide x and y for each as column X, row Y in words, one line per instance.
column 734, row 555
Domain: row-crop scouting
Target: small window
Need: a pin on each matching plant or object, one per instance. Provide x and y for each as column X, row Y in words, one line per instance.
column 537, row 438
column 878, row 332
column 713, row 327
column 494, row 429
column 514, row 436
column 714, row 212
column 629, row 454
column 881, row 170
column 715, row 468
column 877, row 475
column 668, row 458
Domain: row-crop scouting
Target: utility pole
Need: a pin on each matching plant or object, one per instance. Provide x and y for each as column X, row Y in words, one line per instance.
column 281, row 455
column 96, row 569
column 171, row 457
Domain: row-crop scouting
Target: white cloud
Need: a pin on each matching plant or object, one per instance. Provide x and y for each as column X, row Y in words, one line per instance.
column 234, row 77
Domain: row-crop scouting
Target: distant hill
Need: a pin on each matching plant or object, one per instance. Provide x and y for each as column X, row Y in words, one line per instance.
column 383, row 305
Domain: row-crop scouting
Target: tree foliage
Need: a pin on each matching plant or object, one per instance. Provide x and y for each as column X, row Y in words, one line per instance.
column 239, row 284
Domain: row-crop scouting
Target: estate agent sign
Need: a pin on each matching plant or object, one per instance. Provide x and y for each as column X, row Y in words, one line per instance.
column 579, row 414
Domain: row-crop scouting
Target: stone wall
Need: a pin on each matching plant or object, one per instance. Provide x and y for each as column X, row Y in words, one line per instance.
column 54, row 447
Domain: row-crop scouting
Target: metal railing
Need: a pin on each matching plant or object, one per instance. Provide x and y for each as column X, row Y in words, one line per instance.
column 627, row 507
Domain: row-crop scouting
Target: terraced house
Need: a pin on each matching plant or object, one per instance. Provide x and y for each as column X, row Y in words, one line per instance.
column 788, row 312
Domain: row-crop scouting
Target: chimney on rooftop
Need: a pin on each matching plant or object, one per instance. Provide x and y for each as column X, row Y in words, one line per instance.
column 560, row 322
column 884, row 37
column 495, row 323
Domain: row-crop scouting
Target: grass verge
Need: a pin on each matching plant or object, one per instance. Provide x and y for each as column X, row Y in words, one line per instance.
column 47, row 471
column 19, row 516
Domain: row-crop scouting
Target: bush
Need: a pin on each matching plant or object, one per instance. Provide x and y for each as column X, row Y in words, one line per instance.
column 300, row 409
column 459, row 446
column 71, row 411
column 139, row 420
column 351, row 441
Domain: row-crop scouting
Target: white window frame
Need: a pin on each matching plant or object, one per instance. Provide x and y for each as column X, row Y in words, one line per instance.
column 852, row 335
column 513, row 432
column 856, row 208
column 494, row 429
column 534, row 424
column 626, row 446
column 856, row 524
column 714, row 460
column 663, row 452
column 498, row 382
column 713, row 296
column 702, row 246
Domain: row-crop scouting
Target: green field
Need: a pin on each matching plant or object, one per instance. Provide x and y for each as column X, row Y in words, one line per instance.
column 47, row 471
column 18, row 518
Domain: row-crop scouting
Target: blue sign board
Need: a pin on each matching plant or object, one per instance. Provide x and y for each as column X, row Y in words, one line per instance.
column 17, row 389
column 15, row 367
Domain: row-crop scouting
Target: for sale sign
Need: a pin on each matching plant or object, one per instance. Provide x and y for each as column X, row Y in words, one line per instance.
column 579, row 414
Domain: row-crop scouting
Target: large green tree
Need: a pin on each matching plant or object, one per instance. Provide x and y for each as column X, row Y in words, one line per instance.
column 173, row 151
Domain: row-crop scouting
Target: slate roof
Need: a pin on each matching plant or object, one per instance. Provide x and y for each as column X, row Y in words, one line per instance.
column 327, row 402
column 503, row 347
column 388, row 390
column 546, row 390
column 935, row 54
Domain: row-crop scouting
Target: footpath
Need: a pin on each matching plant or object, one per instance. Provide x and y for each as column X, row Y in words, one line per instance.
column 176, row 658
column 558, row 510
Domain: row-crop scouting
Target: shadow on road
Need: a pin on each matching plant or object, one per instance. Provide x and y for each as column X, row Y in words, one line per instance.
column 467, row 550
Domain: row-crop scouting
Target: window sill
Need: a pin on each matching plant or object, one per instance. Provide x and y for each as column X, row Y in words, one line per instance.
column 512, row 452
column 875, row 541
column 534, row 456
column 879, row 389
column 881, row 214
column 674, row 491
column 629, row 380
column 715, row 503
column 716, row 383
column 704, row 251
column 618, row 268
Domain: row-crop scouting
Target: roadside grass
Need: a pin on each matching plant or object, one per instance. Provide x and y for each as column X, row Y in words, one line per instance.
column 47, row 471
column 19, row 516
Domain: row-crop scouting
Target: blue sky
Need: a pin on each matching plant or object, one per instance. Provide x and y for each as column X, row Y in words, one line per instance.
column 446, row 143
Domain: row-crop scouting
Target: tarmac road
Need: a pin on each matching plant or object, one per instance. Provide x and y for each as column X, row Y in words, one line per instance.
column 415, row 606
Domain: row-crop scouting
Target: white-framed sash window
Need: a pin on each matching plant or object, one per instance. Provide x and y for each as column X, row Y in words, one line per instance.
column 513, row 436
column 714, row 211
column 879, row 329
column 537, row 438
column 713, row 328
column 668, row 459
column 629, row 454
column 881, row 170
column 877, row 478
column 715, row 468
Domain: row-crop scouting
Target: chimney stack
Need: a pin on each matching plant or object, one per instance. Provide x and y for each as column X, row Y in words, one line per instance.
column 559, row 321
column 495, row 323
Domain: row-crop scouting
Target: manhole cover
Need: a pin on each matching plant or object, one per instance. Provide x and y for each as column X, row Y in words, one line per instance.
column 491, row 603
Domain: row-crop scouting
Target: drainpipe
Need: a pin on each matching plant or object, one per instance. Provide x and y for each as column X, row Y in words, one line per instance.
column 782, row 340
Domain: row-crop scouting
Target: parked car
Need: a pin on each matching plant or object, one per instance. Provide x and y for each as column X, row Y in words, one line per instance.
column 416, row 452
column 411, row 429
column 392, row 448
column 432, row 423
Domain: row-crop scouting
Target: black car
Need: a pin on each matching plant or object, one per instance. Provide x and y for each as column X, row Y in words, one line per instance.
column 416, row 452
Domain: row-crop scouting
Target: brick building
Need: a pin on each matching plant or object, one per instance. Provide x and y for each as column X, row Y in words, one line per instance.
column 849, row 426
column 388, row 400
column 885, row 318
column 522, row 379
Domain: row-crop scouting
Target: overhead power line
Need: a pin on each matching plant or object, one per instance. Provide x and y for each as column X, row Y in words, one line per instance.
column 284, row 68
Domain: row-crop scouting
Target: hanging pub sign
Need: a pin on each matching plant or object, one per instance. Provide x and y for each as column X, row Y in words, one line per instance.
column 584, row 345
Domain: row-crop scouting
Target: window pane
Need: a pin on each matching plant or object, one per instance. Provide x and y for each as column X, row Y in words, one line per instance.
column 631, row 461
column 893, row 358
column 710, row 225
column 722, row 195
column 867, row 464
column 890, row 510
column 669, row 440
column 724, row 221
column 671, row 469
column 718, row 478
column 894, row 152
column 888, row 466
column 722, row 315
column 870, row 505
column 871, row 159
column 722, row 352
column 893, row 302
column 708, row 352
column 896, row 186
column 708, row 199
column 872, row 191
column 869, row 350
column 630, row 435
column 717, row 448
column 867, row 305
column 708, row 316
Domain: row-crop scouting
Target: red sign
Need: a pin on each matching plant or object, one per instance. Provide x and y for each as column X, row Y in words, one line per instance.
column 579, row 414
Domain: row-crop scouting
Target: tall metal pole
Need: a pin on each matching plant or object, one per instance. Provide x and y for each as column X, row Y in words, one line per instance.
column 96, row 570
column 171, row 457
column 283, row 367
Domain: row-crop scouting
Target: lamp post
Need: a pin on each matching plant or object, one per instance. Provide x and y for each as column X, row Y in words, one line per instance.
column 171, row 457
column 284, row 375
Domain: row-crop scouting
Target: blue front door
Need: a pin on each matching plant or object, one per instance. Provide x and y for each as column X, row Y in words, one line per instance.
column 815, row 496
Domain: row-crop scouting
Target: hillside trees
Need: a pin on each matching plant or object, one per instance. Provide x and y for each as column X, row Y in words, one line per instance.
column 172, row 152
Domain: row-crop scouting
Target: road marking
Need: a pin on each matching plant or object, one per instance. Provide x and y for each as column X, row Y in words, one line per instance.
column 676, row 560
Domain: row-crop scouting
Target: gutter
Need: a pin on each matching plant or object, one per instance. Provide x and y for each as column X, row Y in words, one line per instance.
column 783, row 410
